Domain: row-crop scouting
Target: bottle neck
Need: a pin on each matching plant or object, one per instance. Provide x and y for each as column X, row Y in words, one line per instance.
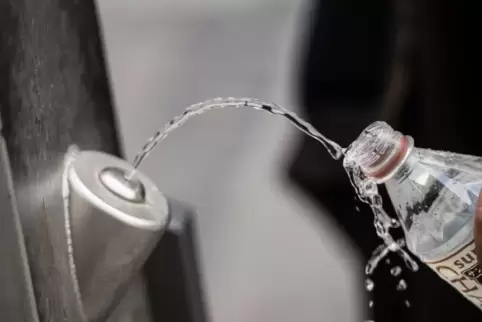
column 379, row 151
column 394, row 163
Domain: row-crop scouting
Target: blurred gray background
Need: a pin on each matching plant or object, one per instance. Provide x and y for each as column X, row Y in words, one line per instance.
column 264, row 256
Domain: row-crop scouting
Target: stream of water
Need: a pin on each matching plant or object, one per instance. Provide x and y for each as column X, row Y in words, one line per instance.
column 335, row 150
column 365, row 188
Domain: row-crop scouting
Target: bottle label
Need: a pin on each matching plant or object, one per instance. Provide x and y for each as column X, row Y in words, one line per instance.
column 462, row 271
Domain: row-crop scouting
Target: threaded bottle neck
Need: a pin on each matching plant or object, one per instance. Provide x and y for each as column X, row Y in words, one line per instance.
column 379, row 150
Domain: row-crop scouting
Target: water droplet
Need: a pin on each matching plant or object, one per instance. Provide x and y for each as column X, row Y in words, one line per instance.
column 370, row 304
column 402, row 285
column 407, row 303
column 395, row 271
column 370, row 187
column 411, row 264
column 369, row 268
column 393, row 247
column 369, row 284
column 395, row 223
column 376, row 200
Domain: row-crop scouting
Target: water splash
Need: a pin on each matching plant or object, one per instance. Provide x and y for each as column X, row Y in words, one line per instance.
column 367, row 191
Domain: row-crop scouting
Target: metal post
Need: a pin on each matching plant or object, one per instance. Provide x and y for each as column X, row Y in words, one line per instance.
column 54, row 93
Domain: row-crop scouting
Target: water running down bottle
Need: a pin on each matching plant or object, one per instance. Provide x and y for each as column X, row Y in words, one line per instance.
column 434, row 194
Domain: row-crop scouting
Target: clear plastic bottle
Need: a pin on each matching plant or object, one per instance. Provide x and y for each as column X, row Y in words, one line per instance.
column 434, row 194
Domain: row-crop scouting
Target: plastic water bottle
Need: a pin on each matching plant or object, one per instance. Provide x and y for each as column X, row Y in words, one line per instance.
column 434, row 194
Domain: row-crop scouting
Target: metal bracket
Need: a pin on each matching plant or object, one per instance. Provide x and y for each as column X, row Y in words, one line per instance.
column 17, row 300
